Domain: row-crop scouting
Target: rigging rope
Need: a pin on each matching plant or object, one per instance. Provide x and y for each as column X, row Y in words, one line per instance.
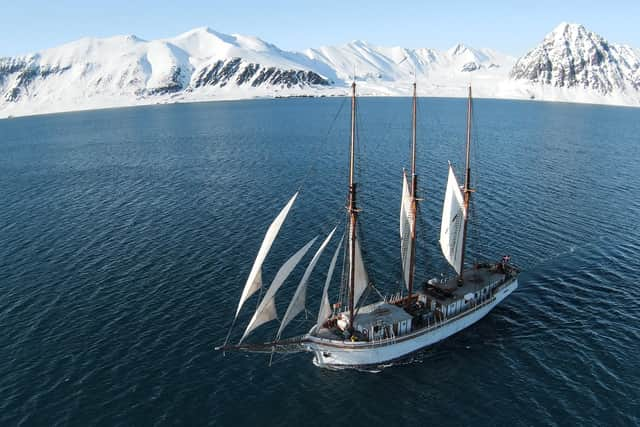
column 323, row 144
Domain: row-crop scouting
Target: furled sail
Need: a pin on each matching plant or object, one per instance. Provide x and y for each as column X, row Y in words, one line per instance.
column 325, row 307
column 266, row 311
column 254, row 282
column 297, row 302
column 406, row 229
column 361, row 280
column 451, row 233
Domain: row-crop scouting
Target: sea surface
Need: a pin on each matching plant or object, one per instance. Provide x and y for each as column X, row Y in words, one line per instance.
column 126, row 237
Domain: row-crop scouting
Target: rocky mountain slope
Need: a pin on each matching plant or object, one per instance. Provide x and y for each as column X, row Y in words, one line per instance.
column 573, row 57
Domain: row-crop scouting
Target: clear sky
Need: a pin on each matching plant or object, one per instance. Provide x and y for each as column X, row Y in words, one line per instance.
column 508, row 26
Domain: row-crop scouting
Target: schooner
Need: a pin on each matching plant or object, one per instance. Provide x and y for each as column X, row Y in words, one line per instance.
column 358, row 334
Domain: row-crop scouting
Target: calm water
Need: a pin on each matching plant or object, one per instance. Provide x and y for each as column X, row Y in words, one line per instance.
column 126, row 236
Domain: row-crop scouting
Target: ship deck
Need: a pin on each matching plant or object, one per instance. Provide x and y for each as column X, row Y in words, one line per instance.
column 474, row 280
column 446, row 292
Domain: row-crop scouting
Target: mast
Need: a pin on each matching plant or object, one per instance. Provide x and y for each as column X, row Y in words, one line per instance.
column 414, row 188
column 467, row 190
column 351, row 207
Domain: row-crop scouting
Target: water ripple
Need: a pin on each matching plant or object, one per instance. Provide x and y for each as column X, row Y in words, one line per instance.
column 124, row 249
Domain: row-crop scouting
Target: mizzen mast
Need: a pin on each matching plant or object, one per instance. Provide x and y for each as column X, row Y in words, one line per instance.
column 414, row 188
column 466, row 190
column 352, row 209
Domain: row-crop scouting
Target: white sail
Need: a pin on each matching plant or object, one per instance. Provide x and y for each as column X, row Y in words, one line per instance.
column 451, row 233
column 407, row 225
column 325, row 307
column 254, row 282
column 361, row 280
column 297, row 302
column 266, row 311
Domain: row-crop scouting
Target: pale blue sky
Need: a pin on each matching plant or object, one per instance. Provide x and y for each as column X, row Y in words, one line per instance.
column 508, row 26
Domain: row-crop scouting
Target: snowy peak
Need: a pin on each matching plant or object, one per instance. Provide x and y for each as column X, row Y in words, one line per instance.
column 468, row 59
column 397, row 64
column 571, row 56
column 204, row 42
column 458, row 49
column 466, row 53
column 570, row 31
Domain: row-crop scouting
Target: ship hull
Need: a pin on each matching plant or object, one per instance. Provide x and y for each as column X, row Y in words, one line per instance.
column 346, row 354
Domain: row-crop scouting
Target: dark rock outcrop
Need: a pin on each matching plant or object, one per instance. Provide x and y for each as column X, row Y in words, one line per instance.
column 278, row 77
column 247, row 74
column 470, row 66
column 173, row 84
column 26, row 73
column 221, row 73
column 217, row 74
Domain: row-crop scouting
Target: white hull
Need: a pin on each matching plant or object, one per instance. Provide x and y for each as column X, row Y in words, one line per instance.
column 337, row 354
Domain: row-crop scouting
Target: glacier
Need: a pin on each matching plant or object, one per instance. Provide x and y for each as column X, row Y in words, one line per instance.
column 571, row 64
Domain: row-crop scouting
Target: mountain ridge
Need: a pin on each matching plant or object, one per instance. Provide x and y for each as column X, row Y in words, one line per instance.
column 570, row 64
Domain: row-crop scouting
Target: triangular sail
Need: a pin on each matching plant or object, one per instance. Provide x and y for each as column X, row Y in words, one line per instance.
column 266, row 311
column 254, row 282
column 297, row 302
column 451, row 229
column 361, row 279
column 325, row 307
column 406, row 229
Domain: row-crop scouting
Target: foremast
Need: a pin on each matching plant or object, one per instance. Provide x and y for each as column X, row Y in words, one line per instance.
column 352, row 209
column 466, row 190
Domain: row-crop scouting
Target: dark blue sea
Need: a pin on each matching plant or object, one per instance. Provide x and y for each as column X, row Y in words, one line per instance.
column 126, row 237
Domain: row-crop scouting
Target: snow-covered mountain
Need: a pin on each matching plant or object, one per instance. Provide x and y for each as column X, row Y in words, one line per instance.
column 571, row 57
column 126, row 70
column 571, row 64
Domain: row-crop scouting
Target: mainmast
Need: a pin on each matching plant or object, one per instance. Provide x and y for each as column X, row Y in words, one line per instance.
column 351, row 207
column 467, row 190
column 414, row 188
